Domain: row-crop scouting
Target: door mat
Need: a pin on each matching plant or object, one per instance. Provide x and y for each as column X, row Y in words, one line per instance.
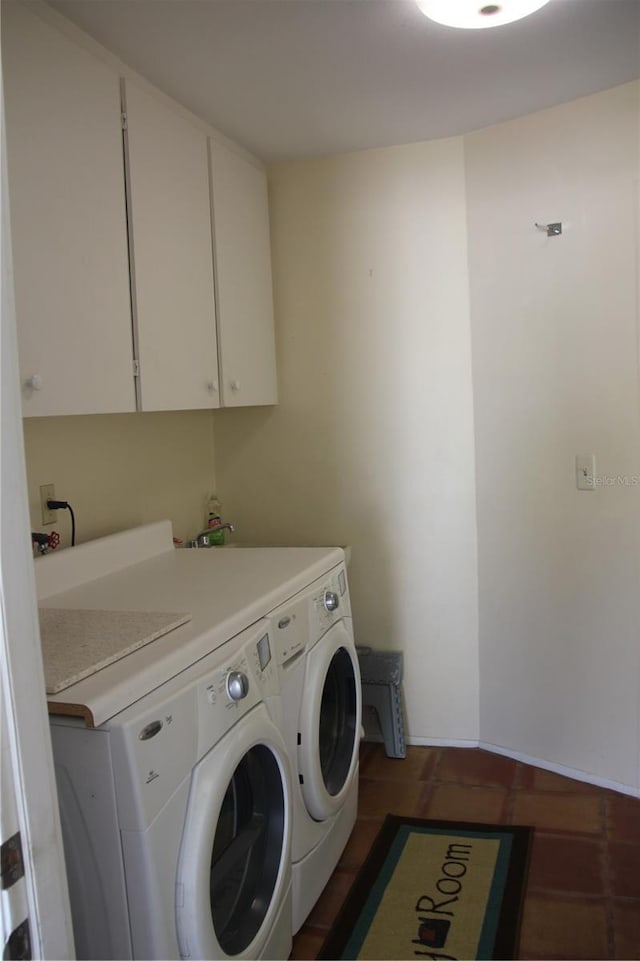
column 435, row 889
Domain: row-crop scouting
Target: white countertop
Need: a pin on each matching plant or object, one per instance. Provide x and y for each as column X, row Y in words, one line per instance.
column 224, row 591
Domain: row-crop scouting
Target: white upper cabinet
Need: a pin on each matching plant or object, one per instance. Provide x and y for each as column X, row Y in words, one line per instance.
column 243, row 279
column 130, row 231
column 171, row 255
column 68, row 221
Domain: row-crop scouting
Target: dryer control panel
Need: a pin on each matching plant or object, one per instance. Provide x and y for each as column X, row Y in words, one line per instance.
column 298, row 624
column 330, row 602
column 290, row 628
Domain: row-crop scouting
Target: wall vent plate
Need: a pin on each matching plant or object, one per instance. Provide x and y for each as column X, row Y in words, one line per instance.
column 586, row 472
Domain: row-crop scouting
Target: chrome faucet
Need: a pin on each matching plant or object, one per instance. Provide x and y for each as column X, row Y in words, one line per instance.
column 40, row 542
column 202, row 539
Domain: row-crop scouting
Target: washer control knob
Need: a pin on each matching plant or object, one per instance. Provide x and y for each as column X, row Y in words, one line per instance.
column 331, row 600
column 237, row 685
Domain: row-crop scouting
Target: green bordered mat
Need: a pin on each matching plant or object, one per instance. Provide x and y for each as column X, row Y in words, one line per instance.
column 435, row 889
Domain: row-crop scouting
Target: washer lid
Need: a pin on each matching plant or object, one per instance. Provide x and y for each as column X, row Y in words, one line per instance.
column 330, row 718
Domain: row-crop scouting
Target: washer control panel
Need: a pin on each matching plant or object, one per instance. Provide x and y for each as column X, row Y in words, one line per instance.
column 225, row 688
column 227, row 694
column 237, row 685
column 157, row 740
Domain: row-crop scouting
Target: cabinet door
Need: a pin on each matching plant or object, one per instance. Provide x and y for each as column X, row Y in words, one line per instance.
column 171, row 256
column 68, row 221
column 243, row 280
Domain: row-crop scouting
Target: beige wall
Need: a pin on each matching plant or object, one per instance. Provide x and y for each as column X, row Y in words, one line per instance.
column 372, row 442
column 121, row 470
column 555, row 371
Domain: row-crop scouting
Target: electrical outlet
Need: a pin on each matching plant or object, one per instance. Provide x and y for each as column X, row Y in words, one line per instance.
column 48, row 492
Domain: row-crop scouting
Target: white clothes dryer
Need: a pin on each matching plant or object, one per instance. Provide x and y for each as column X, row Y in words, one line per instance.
column 322, row 710
column 177, row 815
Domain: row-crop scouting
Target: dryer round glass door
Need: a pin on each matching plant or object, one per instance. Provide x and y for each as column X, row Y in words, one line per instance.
column 234, row 867
column 330, row 718
column 337, row 723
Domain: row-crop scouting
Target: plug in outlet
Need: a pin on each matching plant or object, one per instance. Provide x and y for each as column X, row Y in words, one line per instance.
column 48, row 492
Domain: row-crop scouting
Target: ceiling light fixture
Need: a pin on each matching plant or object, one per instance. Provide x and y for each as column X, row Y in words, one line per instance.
column 478, row 14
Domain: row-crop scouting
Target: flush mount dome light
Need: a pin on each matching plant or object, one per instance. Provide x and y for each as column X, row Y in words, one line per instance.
column 477, row 14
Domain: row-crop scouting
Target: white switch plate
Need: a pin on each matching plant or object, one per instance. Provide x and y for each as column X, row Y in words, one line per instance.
column 586, row 472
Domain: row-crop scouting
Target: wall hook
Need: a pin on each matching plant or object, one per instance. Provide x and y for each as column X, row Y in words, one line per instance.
column 553, row 230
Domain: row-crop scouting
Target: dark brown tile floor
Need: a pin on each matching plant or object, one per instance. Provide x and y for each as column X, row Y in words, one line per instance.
column 583, row 894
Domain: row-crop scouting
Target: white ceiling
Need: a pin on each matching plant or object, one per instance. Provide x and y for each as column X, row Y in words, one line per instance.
column 295, row 78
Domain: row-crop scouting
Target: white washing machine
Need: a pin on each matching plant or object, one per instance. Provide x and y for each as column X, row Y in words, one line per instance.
column 173, row 778
column 322, row 709
column 177, row 816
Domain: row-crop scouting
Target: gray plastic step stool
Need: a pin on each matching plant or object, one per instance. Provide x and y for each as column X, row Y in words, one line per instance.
column 381, row 674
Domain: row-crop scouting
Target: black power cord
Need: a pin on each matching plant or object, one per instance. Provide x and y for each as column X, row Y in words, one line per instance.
column 64, row 505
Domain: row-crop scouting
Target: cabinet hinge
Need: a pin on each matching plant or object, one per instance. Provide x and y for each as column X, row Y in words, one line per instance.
column 136, row 368
column 18, row 947
column 11, row 861
column 123, row 119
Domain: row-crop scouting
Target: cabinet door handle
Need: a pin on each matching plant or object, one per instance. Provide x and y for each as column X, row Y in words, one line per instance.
column 235, row 385
column 212, row 387
column 34, row 382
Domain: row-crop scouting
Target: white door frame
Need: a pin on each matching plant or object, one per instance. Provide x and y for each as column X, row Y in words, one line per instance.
column 28, row 796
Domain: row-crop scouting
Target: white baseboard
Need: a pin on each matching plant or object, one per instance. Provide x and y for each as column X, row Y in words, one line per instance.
column 573, row 773
column 442, row 742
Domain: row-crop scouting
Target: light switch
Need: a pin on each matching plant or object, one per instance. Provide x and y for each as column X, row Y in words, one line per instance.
column 586, row 472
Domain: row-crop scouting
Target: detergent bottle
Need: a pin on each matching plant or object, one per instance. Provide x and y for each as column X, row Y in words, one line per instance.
column 216, row 537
